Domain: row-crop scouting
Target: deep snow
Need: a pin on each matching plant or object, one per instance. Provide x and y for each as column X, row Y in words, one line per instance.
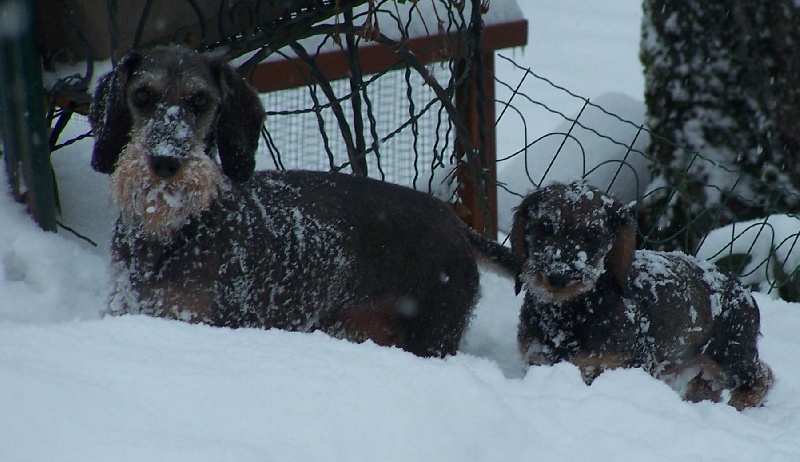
column 74, row 387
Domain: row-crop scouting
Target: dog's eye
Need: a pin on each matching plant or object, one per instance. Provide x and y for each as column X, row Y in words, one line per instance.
column 142, row 96
column 199, row 102
column 546, row 227
column 592, row 232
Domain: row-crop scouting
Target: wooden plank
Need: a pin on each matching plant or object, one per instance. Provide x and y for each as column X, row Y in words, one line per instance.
column 292, row 73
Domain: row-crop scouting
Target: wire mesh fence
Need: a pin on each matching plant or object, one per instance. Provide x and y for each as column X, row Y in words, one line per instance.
column 606, row 141
column 411, row 138
column 409, row 133
column 396, row 120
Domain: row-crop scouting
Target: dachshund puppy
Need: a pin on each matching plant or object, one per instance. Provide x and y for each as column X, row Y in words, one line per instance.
column 594, row 300
column 201, row 237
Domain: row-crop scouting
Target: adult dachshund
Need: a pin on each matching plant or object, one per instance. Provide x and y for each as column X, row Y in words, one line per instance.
column 203, row 238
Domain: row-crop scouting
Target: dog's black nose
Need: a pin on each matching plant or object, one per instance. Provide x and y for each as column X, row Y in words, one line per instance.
column 558, row 280
column 165, row 166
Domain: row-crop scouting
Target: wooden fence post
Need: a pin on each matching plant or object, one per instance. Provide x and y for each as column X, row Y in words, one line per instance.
column 480, row 217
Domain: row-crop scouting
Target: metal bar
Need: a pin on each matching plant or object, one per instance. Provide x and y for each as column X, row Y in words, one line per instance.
column 24, row 123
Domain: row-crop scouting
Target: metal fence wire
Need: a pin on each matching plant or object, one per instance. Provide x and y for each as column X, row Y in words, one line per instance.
column 339, row 124
column 412, row 143
column 606, row 142
column 405, row 126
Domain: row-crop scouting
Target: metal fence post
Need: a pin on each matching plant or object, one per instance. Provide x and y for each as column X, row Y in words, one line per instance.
column 23, row 108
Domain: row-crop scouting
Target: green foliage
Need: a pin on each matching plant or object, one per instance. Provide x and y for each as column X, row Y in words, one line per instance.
column 722, row 94
column 734, row 262
column 788, row 284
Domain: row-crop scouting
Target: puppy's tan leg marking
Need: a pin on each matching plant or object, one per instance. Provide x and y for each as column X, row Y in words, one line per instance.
column 744, row 397
column 592, row 365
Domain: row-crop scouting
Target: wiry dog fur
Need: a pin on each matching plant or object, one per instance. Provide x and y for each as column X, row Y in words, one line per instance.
column 595, row 301
column 214, row 242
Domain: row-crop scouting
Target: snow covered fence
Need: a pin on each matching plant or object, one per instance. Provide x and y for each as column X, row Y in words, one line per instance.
column 388, row 89
column 397, row 125
column 606, row 141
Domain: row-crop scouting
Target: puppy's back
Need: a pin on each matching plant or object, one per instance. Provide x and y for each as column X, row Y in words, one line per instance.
column 694, row 308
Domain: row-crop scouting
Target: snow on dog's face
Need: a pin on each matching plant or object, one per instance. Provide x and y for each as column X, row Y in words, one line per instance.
column 166, row 173
column 567, row 236
column 162, row 204
column 161, row 120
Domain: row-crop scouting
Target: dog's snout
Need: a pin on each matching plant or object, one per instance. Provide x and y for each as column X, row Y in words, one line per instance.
column 558, row 280
column 165, row 166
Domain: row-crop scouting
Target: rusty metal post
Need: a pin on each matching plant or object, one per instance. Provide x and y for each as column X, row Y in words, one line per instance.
column 480, row 203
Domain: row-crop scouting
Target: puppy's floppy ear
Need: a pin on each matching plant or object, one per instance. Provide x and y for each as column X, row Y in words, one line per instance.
column 239, row 125
column 109, row 115
column 519, row 246
column 620, row 258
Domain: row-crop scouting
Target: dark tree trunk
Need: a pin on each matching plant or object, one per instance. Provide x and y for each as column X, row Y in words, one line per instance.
column 722, row 87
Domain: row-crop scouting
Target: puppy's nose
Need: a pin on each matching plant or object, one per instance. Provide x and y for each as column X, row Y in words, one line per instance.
column 558, row 280
column 165, row 166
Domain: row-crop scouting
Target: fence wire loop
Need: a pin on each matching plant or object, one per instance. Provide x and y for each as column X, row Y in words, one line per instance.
column 402, row 123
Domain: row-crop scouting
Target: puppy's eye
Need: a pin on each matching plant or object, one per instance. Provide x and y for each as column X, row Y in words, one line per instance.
column 199, row 102
column 546, row 227
column 592, row 233
column 142, row 96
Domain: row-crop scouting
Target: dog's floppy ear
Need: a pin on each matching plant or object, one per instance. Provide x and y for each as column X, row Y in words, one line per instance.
column 620, row 258
column 109, row 115
column 239, row 125
column 519, row 246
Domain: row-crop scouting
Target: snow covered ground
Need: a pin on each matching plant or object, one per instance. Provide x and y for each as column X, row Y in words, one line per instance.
column 75, row 387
